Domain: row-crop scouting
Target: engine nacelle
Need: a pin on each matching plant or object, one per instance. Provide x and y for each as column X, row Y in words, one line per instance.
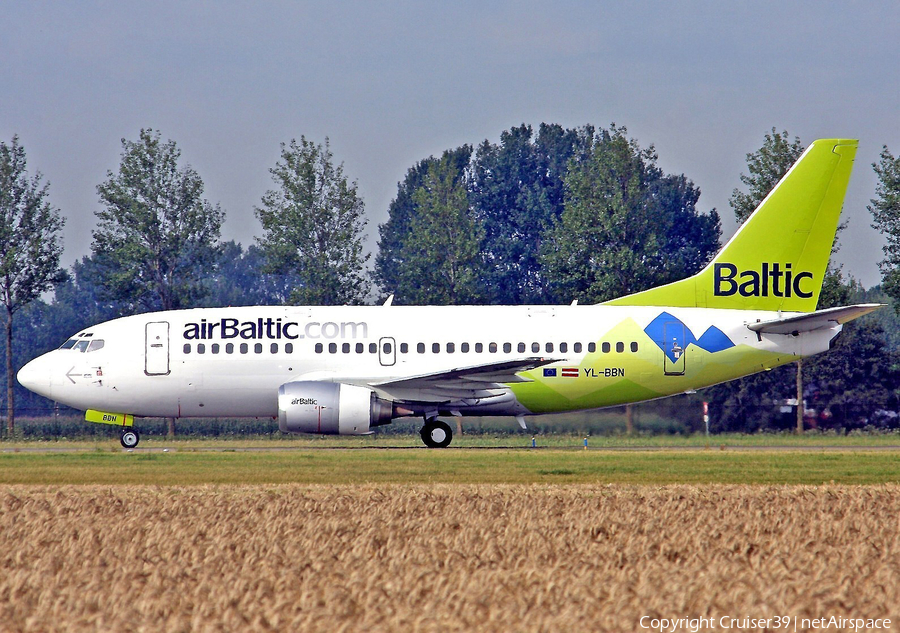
column 331, row 408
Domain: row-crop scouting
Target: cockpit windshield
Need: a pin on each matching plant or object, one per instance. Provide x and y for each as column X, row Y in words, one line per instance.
column 83, row 344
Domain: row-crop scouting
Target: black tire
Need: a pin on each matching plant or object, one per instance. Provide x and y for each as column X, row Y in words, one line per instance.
column 130, row 438
column 436, row 434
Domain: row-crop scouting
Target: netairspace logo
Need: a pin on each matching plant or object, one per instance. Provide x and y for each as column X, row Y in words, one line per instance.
column 791, row 623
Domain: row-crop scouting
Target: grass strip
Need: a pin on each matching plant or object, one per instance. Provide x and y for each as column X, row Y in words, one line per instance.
column 498, row 466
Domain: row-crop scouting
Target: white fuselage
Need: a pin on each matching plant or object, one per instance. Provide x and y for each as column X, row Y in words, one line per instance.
column 231, row 361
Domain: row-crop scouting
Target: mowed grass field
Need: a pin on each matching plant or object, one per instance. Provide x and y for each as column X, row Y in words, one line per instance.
column 441, row 557
column 353, row 466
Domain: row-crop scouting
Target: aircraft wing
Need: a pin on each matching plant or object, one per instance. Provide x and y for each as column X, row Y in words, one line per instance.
column 476, row 381
column 814, row 320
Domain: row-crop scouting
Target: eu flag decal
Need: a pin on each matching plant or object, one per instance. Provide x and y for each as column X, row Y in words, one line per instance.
column 549, row 372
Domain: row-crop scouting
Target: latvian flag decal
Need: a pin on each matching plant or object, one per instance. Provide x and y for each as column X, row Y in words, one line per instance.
column 565, row 372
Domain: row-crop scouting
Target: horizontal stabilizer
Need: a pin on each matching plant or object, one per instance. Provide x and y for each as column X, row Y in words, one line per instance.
column 814, row 320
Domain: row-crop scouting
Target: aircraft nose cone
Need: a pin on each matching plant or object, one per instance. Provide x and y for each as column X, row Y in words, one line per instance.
column 35, row 377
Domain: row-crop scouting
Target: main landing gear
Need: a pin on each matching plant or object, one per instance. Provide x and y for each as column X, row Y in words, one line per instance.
column 129, row 437
column 436, row 434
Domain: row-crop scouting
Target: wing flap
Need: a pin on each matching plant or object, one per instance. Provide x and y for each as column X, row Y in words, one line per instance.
column 477, row 381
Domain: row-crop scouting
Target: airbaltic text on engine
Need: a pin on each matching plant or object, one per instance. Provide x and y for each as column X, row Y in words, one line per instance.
column 752, row 283
column 276, row 329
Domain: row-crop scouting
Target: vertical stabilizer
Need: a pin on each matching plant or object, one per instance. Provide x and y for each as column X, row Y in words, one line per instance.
column 777, row 259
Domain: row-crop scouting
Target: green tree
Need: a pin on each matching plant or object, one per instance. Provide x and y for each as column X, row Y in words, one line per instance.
column 516, row 190
column 30, row 248
column 312, row 227
column 240, row 279
column 442, row 248
column 156, row 236
column 626, row 226
column 885, row 210
column 766, row 165
column 391, row 258
column 856, row 380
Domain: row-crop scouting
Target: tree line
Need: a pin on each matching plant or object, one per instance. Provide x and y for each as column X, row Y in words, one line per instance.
column 549, row 215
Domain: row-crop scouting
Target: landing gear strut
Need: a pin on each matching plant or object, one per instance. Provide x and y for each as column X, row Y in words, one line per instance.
column 129, row 438
column 436, row 434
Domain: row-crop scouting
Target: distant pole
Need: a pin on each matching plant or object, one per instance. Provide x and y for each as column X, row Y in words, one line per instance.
column 800, row 397
column 706, row 417
column 629, row 420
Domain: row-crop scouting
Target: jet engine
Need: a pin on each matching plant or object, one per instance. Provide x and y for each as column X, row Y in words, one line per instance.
column 332, row 408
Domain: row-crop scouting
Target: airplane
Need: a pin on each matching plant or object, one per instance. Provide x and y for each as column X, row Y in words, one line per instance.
column 349, row 369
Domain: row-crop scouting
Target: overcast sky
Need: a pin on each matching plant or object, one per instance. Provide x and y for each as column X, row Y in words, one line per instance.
column 392, row 83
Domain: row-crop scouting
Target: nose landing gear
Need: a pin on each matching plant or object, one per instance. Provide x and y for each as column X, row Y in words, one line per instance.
column 129, row 438
column 436, row 434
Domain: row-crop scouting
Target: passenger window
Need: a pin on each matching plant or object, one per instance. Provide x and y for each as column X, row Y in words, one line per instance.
column 95, row 345
column 319, row 348
column 634, row 346
column 201, row 348
column 435, row 348
column 373, row 348
column 332, row 348
column 273, row 348
column 620, row 347
column 404, row 348
column 492, row 348
column 535, row 347
column 258, row 348
column 563, row 347
column 605, row 348
column 420, row 347
column 288, row 348
column 229, row 348
column 345, row 348
column 360, row 348
column 577, row 348
column 592, row 347
column 464, row 348
column 215, row 348
column 244, row 348
column 521, row 347
column 507, row 348
column 549, row 347
column 451, row 348
column 187, row 348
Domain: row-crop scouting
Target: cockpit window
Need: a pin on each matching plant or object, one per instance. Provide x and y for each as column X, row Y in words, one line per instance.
column 69, row 344
column 82, row 345
column 96, row 344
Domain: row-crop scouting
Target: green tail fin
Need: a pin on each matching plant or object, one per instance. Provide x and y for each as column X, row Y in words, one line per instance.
column 777, row 259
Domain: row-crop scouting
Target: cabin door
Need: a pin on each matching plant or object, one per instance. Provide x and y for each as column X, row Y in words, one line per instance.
column 387, row 351
column 156, row 357
column 674, row 360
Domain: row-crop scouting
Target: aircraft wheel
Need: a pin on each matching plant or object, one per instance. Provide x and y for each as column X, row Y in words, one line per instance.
column 436, row 434
column 130, row 438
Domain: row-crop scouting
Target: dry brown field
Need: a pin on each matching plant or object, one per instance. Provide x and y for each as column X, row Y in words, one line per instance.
column 441, row 558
